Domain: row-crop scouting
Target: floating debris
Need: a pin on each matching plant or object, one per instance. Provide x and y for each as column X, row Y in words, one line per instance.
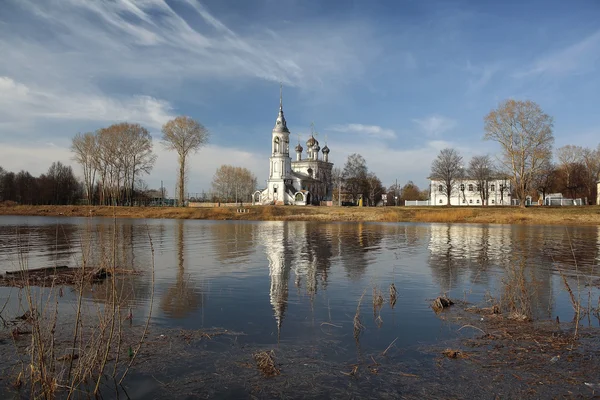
column 440, row 303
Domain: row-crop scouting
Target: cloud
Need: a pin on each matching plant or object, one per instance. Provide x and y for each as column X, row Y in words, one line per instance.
column 152, row 39
column 374, row 131
column 434, row 125
column 480, row 76
column 579, row 57
column 19, row 102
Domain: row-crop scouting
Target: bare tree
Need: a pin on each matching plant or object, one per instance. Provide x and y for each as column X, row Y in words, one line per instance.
column 137, row 156
column 570, row 158
column 185, row 136
column 234, row 183
column 338, row 181
column 545, row 180
column 524, row 132
column 447, row 169
column 591, row 160
column 84, row 149
column 355, row 175
column 481, row 170
column 374, row 188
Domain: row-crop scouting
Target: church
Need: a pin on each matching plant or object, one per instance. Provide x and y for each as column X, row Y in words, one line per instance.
column 304, row 181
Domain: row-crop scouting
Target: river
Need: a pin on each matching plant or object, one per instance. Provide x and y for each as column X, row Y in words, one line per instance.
column 299, row 283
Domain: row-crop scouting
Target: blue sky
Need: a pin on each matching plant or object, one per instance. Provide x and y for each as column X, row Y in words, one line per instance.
column 395, row 81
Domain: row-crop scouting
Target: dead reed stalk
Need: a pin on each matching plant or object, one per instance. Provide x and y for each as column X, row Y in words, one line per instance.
column 358, row 326
column 393, row 295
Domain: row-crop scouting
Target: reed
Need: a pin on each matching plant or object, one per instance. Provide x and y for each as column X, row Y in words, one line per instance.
column 73, row 355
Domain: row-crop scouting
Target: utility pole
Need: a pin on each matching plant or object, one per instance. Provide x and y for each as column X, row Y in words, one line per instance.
column 396, row 193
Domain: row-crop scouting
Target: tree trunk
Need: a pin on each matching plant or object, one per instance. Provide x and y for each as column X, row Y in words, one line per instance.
column 181, row 179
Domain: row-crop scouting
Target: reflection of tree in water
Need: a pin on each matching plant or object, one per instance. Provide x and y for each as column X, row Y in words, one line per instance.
column 180, row 300
column 233, row 240
column 563, row 246
column 355, row 243
column 312, row 251
column 458, row 250
column 444, row 257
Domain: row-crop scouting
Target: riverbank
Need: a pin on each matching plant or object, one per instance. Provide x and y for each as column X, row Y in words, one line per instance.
column 589, row 215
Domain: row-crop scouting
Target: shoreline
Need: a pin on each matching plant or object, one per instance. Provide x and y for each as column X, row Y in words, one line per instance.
column 584, row 215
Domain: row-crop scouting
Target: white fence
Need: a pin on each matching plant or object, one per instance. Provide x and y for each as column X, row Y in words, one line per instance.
column 560, row 201
column 417, row 202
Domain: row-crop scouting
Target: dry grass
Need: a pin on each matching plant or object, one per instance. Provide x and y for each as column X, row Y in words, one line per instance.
column 589, row 215
column 358, row 326
column 393, row 295
column 440, row 303
column 265, row 361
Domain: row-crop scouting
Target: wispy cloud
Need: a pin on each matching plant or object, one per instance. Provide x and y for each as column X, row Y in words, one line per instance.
column 71, row 58
column 374, row 131
column 434, row 125
column 18, row 100
column 480, row 76
column 579, row 57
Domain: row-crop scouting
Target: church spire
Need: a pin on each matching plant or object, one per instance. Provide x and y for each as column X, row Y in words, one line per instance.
column 280, row 124
column 281, row 97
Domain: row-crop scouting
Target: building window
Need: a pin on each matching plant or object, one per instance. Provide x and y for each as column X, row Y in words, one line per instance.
column 470, row 187
column 464, row 201
column 492, row 201
column 493, row 188
column 479, row 188
column 440, row 201
column 440, row 188
column 477, row 201
column 462, row 187
column 471, row 201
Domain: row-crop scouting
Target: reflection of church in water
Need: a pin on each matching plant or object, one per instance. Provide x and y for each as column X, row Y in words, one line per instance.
column 291, row 250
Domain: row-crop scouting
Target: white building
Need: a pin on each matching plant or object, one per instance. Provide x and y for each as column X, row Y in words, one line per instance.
column 300, row 182
column 467, row 192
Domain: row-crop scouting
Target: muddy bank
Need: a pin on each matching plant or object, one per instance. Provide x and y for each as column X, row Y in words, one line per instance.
column 59, row 276
column 510, row 356
column 493, row 357
column 588, row 215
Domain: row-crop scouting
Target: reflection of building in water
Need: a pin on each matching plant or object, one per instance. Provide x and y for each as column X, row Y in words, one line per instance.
column 301, row 247
column 275, row 236
column 468, row 252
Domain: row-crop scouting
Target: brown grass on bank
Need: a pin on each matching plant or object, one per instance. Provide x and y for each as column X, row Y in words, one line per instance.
column 588, row 215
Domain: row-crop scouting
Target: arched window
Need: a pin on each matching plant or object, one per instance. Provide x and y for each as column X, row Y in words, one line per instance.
column 440, row 188
column 493, row 187
column 276, row 145
column 299, row 197
column 470, row 187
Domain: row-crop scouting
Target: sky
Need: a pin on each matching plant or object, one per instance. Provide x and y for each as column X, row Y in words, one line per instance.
column 393, row 80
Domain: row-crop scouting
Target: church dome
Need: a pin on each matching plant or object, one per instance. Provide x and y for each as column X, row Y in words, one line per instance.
column 299, row 148
column 317, row 148
column 312, row 141
column 325, row 150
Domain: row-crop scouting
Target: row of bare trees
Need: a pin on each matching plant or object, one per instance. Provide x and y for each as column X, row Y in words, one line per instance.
column 114, row 159
column 524, row 133
column 356, row 181
column 233, row 184
column 575, row 173
column 57, row 186
column 450, row 173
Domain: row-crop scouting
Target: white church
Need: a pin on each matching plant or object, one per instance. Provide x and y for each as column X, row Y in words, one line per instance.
column 301, row 182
